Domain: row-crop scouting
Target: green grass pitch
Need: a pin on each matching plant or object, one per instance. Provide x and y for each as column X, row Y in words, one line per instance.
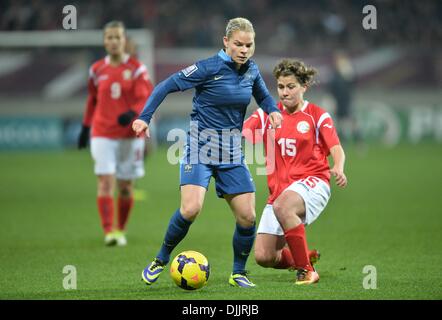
column 389, row 217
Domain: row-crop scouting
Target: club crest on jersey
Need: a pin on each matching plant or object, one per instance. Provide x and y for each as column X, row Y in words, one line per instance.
column 189, row 70
column 303, row 126
column 127, row 74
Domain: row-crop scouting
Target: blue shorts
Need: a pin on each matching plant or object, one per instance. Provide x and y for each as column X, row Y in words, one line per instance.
column 229, row 179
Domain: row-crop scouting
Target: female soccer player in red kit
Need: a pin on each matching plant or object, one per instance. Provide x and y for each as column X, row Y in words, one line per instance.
column 118, row 87
column 298, row 172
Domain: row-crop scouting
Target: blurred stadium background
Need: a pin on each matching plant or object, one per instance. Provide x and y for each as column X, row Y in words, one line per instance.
column 396, row 98
column 397, row 67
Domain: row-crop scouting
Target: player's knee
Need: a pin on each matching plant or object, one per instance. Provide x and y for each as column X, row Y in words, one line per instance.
column 125, row 189
column 105, row 187
column 190, row 210
column 246, row 220
column 264, row 259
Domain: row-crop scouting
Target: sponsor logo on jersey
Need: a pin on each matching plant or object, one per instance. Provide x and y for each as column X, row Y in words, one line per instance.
column 189, row 70
column 328, row 126
column 127, row 74
column 303, row 126
column 218, row 77
column 102, row 77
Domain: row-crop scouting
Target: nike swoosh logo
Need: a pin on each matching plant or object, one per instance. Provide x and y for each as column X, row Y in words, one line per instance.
column 328, row 126
column 217, row 77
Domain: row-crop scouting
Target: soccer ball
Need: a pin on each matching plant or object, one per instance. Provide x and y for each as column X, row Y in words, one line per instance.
column 190, row 270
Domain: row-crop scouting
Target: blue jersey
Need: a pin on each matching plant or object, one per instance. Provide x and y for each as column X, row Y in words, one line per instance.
column 222, row 94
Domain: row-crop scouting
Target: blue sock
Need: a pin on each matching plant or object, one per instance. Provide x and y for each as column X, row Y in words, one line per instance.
column 176, row 231
column 243, row 239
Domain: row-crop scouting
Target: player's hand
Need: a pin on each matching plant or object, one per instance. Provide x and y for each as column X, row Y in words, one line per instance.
column 83, row 138
column 140, row 127
column 126, row 118
column 340, row 178
column 275, row 119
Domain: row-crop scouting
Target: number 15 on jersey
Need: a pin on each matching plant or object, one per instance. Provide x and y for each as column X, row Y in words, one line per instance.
column 288, row 146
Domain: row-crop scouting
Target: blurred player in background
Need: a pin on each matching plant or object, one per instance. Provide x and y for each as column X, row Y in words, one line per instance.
column 341, row 85
column 118, row 87
column 224, row 85
column 298, row 172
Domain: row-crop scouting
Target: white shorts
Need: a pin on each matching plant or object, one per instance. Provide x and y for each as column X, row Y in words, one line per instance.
column 315, row 193
column 123, row 158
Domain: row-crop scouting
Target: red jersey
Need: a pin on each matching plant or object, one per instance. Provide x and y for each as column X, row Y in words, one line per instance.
column 300, row 146
column 253, row 131
column 113, row 90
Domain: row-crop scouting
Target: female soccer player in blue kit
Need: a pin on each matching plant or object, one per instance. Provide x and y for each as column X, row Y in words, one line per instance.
column 224, row 85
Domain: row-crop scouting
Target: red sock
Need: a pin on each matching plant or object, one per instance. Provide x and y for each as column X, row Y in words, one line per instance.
column 295, row 238
column 286, row 260
column 124, row 206
column 106, row 211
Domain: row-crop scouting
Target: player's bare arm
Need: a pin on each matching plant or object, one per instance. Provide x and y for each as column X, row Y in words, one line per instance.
column 140, row 126
column 338, row 155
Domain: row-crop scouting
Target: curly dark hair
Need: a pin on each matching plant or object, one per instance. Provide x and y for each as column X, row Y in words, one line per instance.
column 291, row 67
